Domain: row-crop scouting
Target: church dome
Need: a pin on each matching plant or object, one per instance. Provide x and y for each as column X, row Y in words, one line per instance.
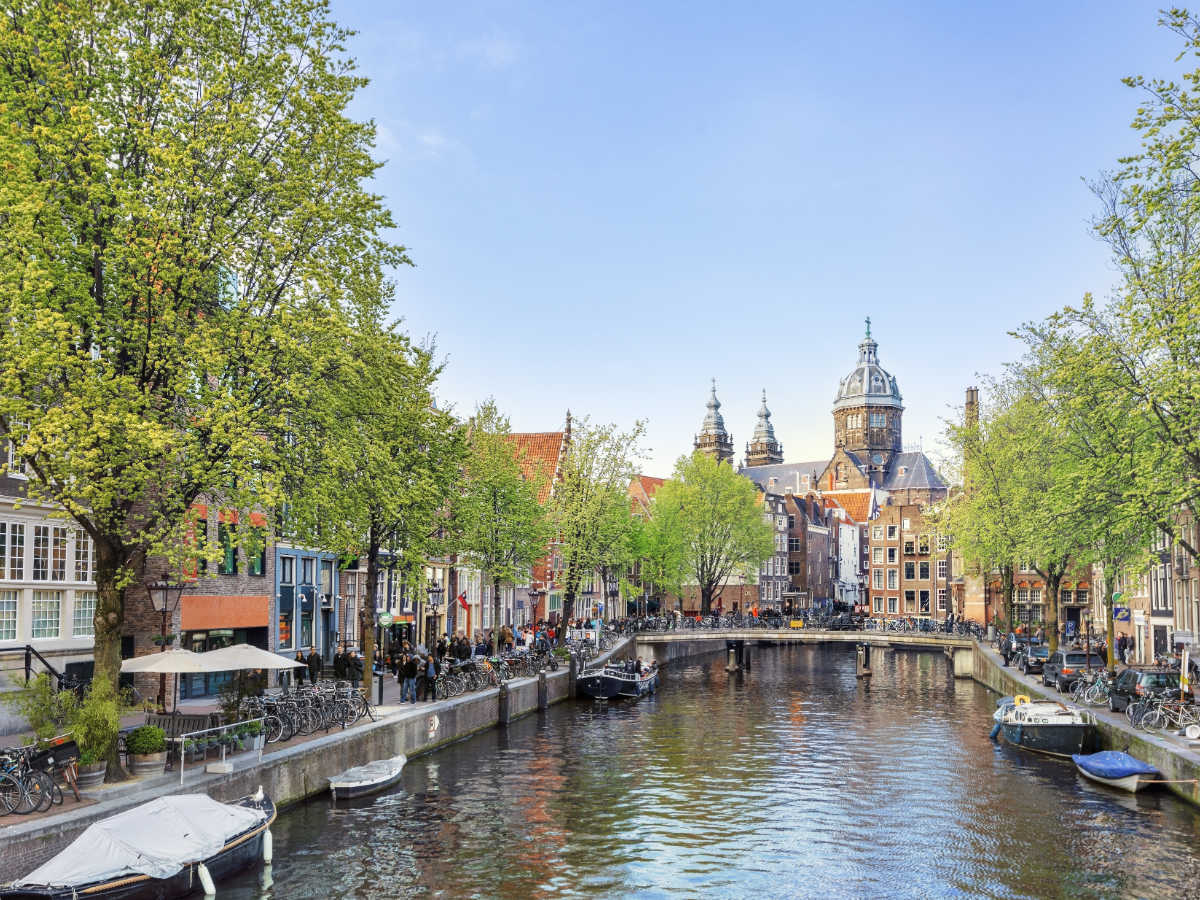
column 869, row 384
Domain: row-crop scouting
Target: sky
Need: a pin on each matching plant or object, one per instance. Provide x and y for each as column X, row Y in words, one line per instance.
column 610, row 204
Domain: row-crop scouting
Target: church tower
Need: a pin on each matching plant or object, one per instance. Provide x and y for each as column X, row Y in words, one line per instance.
column 867, row 410
column 763, row 449
column 713, row 440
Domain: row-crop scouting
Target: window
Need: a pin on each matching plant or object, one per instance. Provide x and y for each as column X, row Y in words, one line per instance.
column 794, row 545
column 1022, row 595
column 8, row 615
column 16, row 551
column 892, row 579
column 941, row 598
column 891, row 555
column 878, row 604
column 878, row 420
column 327, row 577
column 941, row 568
column 943, row 543
column 58, row 553
column 923, row 597
column 891, row 604
column 793, row 567
column 256, row 553
column 307, row 569
column 1035, row 595
column 287, row 570
column 923, row 544
column 1081, row 596
column 878, row 578
column 1064, row 596
column 877, row 533
column 907, row 524
column 910, row 571
column 923, row 570
column 877, row 554
column 791, row 521
column 41, row 552
column 46, row 610
column 227, row 538
column 893, row 532
column 84, row 614
column 555, row 604
column 83, row 557
column 910, row 547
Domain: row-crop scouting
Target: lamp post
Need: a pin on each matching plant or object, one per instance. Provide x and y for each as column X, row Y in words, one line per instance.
column 614, row 593
column 435, row 600
column 164, row 598
column 531, row 613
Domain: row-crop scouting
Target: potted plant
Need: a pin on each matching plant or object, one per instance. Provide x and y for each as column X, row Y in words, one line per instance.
column 194, row 749
column 97, row 723
column 147, row 748
column 255, row 732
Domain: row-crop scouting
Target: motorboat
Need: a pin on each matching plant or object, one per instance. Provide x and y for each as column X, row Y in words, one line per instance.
column 170, row 847
column 1114, row 768
column 1045, row 726
column 618, row 680
column 370, row 778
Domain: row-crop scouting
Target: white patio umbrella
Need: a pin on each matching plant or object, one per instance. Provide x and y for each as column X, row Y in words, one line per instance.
column 244, row 656
column 174, row 662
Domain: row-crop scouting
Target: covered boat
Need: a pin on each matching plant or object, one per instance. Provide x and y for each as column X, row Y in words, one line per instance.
column 1114, row 768
column 618, row 680
column 170, row 847
column 1046, row 726
column 370, row 778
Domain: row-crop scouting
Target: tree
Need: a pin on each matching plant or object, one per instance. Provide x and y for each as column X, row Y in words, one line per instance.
column 375, row 460
column 714, row 519
column 183, row 205
column 589, row 503
column 660, row 560
column 499, row 527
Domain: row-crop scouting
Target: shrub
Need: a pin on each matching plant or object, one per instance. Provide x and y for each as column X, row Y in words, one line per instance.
column 48, row 712
column 97, row 722
column 146, row 739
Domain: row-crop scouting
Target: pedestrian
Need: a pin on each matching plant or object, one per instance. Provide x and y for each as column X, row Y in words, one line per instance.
column 441, row 647
column 408, row 674
column 314, row 665
column 301, row 670
column 339, row 663
column 428, row 691
column 354, row 668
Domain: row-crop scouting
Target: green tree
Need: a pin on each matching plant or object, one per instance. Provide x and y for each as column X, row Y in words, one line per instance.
column 375, row 460
column 660, row 560
column 497, row 523
column 589, row 503
column 713, row 517
column 184, row 202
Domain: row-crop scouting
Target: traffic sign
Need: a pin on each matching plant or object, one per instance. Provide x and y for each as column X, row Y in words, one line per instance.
column 1120, row 613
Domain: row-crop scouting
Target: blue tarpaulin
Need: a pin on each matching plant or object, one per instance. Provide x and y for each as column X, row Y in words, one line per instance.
column 1112, row 764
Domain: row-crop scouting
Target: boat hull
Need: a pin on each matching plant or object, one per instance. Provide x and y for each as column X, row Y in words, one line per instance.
column 363, row 781
column 645, row 684
column 1131, row 783
column 240, row 852
column 598, row 687
column 1054, row 740
column 352, row 791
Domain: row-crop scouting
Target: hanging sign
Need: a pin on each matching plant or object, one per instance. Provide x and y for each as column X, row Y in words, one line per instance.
column 385, row 619
column 1120, row 613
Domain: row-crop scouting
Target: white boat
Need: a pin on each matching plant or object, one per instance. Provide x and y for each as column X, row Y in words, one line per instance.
column 367, row 779
column 1114, row 768
column 1045, row 726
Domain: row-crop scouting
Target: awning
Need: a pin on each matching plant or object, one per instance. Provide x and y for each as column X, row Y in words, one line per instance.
column 201, row 612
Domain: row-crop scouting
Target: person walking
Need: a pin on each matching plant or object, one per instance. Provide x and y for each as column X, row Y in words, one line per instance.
column 428, row 691
column 354, row 668
column 408, row 673
column 314, row 665
column 339, row 663
column 302, row 669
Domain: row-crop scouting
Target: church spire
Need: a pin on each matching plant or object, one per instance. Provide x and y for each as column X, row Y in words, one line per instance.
column 763, row 449
column 713, row 439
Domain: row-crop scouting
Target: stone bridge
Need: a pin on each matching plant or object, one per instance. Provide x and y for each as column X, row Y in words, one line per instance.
column 667, row 646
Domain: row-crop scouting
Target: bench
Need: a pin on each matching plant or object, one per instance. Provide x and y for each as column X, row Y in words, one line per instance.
column 173, row 725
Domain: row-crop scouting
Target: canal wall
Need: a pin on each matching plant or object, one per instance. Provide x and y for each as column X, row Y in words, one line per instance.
column 1177, row 763
column 292, row 774
column 667, row 652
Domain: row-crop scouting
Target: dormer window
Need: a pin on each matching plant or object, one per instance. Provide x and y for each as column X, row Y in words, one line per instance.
column 904, row 470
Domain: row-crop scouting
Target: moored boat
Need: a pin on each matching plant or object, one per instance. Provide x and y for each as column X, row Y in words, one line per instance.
column 618, row 680
column 170, row 847
column 1114, row 768
column 370, row 778
column 1045, row 726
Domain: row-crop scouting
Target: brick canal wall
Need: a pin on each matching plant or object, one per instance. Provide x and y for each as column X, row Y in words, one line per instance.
column 295, row 773
column 1175, row 761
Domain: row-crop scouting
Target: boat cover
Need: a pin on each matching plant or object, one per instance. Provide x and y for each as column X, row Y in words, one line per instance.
column 1112, row 764
column 372, row 772
column 157, row 839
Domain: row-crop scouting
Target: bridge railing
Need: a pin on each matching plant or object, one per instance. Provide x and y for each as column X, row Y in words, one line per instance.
column 717, row 630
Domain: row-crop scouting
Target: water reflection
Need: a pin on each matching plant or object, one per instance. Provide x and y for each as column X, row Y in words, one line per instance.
column 793, row 780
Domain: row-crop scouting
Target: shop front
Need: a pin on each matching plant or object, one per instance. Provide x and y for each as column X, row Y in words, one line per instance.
column 210, row 622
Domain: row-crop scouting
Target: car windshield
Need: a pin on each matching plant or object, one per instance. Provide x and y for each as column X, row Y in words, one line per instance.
column 1081, row 659
column 1160, row 679
column 1039, row 652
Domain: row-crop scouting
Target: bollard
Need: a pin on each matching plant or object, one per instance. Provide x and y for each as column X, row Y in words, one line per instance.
column 543, row 691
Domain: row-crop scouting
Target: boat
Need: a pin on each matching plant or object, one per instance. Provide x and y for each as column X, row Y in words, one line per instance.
column 367, row 779
column 1114, row 768
column 615, row 680
column 1045, row 726
column 170, row 847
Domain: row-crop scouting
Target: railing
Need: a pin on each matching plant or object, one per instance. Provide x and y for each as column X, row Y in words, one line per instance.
column 220, row 730
column 62, row 681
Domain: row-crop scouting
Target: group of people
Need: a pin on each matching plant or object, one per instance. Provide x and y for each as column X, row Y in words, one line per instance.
column 415, row 671
column 347, row 665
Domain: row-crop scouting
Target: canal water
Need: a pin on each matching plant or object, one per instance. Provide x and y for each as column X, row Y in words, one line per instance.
column 791, row 780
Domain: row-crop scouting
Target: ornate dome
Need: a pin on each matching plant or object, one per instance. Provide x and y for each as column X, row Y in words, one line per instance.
column 714, row 422
column 764, row 430
column 869, row 384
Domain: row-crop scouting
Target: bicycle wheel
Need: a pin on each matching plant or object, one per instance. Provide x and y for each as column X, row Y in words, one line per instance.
column 39, row 788
column 12, row 795
column 273, row 729
column 1154, row 720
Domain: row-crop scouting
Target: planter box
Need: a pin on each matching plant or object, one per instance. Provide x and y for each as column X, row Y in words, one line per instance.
column 147, row 763
column 90, row 775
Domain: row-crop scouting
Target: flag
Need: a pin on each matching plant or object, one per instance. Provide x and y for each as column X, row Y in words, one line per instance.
column 462, row 599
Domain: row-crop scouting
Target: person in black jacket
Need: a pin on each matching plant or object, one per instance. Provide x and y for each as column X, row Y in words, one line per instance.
column 354, row 668
column 300, row 672
column 408, row 677
column 339, row 664
column 314, row 665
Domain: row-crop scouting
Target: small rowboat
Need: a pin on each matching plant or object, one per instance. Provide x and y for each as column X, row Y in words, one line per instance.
column 367, row 779
column 1114, row 768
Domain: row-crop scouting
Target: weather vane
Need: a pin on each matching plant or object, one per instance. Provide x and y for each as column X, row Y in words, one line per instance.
column 868, row 326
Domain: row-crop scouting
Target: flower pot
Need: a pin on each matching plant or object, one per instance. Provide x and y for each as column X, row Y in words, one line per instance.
column 91, row 774
column 147, row 763
column 257, row 741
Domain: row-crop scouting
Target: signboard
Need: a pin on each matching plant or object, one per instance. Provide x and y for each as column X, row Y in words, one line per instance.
column 1184, row 637
column 1120, row 613
column 385, row 619
column 796, row 623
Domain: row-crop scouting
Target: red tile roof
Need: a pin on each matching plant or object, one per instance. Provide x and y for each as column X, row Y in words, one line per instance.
column 539, row 452
column 857, row 504
column 650, row 484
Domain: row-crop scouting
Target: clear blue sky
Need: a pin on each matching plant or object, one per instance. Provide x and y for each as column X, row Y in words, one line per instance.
column 610, row 203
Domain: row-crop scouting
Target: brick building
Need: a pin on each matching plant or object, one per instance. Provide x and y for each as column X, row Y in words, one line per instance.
column 910, row 575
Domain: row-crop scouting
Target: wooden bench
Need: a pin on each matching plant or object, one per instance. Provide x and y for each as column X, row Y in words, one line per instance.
column 173, row 725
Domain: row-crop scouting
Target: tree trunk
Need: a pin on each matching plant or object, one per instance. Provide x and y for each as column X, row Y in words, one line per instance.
column 706, row 595
column 370, row 617
column 1053, row 580
column 495, row 617
column 1006, row 573
column 568, row 609
column 108, row 621
column 1109, row 628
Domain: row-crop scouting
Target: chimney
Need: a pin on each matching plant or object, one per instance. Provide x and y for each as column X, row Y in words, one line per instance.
column 771, row 484
column 971, row 409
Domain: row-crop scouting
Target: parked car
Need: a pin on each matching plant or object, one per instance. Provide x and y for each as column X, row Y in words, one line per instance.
column 1030, row 658
column 1064, row 667
column 1137, row 681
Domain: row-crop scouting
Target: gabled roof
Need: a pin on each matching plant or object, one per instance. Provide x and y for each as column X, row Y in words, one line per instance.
column 859, row 505
column 539, row 453
column 650, row 484
column 912, row 470
column 641, row 490
column 788, row 476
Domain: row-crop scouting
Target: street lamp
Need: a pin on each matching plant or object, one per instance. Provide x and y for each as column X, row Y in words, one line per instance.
column 531, row 613
column 435, row 600
column 164, row 598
